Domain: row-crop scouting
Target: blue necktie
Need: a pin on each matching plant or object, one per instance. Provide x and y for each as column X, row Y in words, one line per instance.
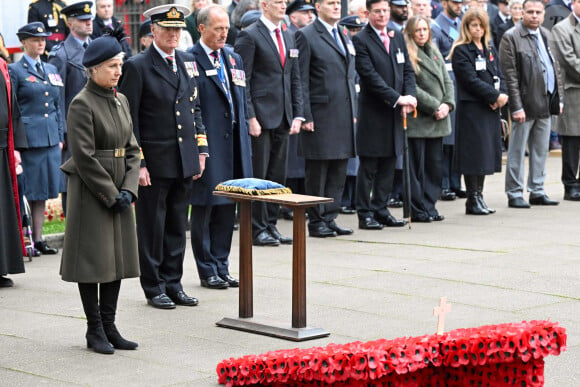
column 338, row 42
column 546, row 64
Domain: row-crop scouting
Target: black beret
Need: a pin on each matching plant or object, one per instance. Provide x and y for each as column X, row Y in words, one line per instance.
column 101, row 49
column 145, row 28
column 81, row 11
column 250, row 17
column 299, row 5
column 352, row 21
column 35, row 29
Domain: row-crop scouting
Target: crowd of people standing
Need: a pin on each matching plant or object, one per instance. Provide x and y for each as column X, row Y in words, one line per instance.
column 255, row 91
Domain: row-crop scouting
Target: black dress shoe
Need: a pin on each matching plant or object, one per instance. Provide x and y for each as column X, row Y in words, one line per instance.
column 347, row 210
column 339, row 230
column 44, row 248
column 180, row 298
column 161, row 301
column 438, row 218
column 369, row 223
column 448, row 195
column 214, row 282
column 390, row 221
column 543, row 200
column 265, row 239
column 459, row 193
column 518, row 202
column 573, row 195
column 421, row 218
column 320, row 230
column 231, row 281
column 276, row 234
column 6, row 282
column 394, row 203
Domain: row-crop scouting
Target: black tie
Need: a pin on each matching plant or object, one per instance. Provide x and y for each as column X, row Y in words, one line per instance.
column 170, row 62
column 85, row 45
column 39, row 69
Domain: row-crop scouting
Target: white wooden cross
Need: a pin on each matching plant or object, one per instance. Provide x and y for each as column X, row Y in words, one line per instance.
column 441, row 311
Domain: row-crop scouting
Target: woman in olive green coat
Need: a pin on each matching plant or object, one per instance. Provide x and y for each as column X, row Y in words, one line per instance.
column 100, row 242
column 435, row 99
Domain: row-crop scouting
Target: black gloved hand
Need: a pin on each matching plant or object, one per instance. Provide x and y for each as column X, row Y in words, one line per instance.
column 123, row 202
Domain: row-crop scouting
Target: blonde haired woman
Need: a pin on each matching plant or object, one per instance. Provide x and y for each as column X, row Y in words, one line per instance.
column 481, row 94
column 435, row 99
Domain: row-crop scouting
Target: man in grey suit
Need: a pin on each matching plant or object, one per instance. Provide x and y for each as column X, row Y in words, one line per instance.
column 527, row 65
column 327, row 137
column 274, row 97
column 566, row 44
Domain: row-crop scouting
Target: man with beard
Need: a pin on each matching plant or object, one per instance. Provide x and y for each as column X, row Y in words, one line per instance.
column 399, row 14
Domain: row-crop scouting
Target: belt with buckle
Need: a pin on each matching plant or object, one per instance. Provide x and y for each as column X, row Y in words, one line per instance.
column 117, row 152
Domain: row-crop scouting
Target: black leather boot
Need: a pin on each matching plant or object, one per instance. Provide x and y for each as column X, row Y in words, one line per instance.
column 108, row 307
column 472, row 204
column 96, row 338
column 480, row 181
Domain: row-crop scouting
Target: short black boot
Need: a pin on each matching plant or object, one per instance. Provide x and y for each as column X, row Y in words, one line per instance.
column 108, row 307
column 472, row 204
column 96, row 338
column 480, row 181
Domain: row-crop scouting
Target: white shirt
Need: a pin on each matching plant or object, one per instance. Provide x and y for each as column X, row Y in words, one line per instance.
column 271, row 27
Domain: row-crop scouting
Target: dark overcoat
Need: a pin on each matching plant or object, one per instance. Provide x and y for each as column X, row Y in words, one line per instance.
column 100, row 245
column 478, row 139
column 165, row 113
column 382, row 82
column 229, row 144
column 328, row 87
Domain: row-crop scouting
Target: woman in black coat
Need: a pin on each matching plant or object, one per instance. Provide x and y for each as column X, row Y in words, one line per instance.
column 481, row 94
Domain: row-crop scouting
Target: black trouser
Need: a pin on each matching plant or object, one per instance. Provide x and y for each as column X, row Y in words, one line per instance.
column 570, row 161
column 269, row 159
column 426, row 171
column 212, row 228
column 324, row 178
column 161, row 214
column 375, row 174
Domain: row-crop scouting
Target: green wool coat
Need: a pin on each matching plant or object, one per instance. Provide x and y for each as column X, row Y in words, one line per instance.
column 99, row 245
column 434, row 87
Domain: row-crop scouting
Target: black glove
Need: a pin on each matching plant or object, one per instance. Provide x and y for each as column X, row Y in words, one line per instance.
column 123, row 202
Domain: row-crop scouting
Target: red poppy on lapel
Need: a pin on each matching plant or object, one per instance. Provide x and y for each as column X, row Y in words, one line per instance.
column 284, row 27
column 31, row 78
column 391, row 34
column 232, row 60
column 490, row 57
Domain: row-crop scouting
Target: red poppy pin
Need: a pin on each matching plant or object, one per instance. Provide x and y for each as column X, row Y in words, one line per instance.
column 31, row 78
column 391, row 34
column 490, row 57
column 344, row 31
column 435, row 57
column 232, row 61
column 284, row 27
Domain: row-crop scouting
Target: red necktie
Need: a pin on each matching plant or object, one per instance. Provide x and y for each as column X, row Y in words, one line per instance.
column 386, row 41
column 280, row 46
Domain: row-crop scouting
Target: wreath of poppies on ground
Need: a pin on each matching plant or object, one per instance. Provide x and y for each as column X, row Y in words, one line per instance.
column 494, row 355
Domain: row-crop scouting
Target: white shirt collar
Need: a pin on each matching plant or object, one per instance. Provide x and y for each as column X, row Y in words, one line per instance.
column 327, row 26
column 163, row 53
column 271, row 26
column 208, row 50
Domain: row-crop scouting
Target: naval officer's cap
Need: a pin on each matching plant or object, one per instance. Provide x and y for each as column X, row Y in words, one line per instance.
column 168, row 15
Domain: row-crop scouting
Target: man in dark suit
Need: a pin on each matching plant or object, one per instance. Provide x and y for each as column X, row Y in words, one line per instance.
column 387, row 92
column 274, row 97
column 221, row 80
column 48, row 12
column 160, row 86
column 327, row 138
column 105, row 19
column 67, row 56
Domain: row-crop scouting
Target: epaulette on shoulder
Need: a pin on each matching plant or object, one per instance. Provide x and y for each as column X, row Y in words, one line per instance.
column 55, row 49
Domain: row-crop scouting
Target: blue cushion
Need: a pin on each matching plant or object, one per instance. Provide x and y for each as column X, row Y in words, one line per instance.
column 252, row 186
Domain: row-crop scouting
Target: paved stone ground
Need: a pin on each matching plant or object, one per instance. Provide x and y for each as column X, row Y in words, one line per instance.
column 512, row 266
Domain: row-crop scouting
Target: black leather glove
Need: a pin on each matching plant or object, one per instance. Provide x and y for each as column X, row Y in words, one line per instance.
column 123, row 202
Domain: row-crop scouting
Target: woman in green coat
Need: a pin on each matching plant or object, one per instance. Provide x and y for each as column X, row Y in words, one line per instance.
column 435, row 99
column 100, row 242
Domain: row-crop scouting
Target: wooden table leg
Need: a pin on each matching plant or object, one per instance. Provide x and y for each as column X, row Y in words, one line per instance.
column 299, row 269
column 246, row 276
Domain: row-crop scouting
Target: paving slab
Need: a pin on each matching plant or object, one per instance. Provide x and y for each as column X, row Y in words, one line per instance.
column 511, row 266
